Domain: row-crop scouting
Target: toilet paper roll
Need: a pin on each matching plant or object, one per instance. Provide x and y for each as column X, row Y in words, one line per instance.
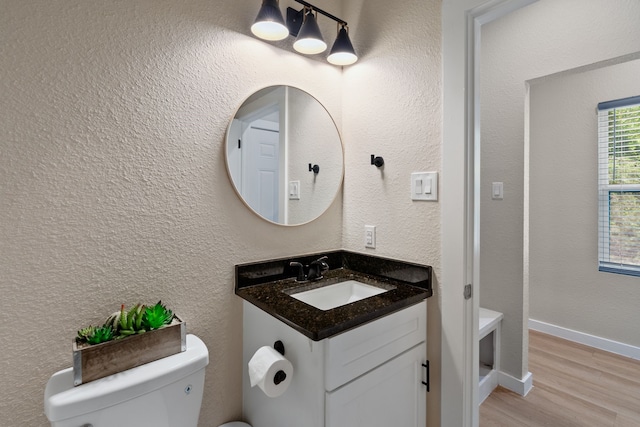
column 270, row 371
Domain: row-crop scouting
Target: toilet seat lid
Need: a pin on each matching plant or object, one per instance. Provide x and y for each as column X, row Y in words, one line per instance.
column 235, row 424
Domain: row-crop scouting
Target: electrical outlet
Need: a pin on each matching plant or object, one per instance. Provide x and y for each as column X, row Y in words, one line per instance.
column 370, row 236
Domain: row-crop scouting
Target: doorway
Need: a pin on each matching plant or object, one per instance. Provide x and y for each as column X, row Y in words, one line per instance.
column 462, row 21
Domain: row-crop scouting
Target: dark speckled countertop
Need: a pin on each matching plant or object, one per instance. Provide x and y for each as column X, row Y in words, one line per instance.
column 267, row 285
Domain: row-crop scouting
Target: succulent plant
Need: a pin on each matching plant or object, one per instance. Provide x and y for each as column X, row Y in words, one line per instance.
column 101, row 334
column 157, row 316
column 113, row 320
column 85, row 333
column 123, row 323
column 130, row 322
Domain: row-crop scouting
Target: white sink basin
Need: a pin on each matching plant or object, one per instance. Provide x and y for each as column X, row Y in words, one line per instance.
column 332, row 296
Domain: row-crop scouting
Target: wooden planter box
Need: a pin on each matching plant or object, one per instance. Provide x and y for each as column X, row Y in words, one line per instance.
column 91, row 362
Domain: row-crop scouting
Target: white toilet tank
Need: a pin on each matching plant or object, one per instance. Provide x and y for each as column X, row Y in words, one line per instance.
column 163, row 393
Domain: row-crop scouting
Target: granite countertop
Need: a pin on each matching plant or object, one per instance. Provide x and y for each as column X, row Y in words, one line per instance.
column 273, row 297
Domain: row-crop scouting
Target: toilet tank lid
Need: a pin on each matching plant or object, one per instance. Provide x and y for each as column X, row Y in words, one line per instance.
column 62, row 400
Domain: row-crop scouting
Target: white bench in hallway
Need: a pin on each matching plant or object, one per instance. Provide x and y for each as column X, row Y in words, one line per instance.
column 489, row 335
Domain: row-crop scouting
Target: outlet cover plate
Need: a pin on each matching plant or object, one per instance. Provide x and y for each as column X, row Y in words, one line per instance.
column 370, row 236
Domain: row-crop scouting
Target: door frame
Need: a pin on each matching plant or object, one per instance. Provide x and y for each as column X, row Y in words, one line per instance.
column 461, row 24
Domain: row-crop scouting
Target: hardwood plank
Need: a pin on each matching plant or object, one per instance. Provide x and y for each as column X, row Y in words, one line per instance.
column 587, row 384
column 627, row 421
column 493, row 414
column 620, row 365
column 574, row 385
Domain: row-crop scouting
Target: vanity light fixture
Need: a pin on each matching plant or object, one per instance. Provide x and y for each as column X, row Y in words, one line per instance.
column 342, row 52
column 269, row 24
column 303, row 25
column 309, row 40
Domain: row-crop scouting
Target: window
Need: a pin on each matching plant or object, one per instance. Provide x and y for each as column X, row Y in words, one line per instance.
column 619, row 186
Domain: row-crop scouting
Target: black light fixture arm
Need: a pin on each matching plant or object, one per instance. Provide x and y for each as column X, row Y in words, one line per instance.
column 327, row 14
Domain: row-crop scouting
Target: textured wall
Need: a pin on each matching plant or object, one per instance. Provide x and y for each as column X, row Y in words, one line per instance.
column 112, row 178
column 392, row 108
column 564, row 207
column 544, row 38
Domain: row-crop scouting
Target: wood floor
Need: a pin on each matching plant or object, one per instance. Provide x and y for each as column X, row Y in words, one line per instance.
column 573, row 385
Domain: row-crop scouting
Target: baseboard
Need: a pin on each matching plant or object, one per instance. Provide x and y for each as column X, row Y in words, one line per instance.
column 586, row 339
column 522, row 387
column 487, row 384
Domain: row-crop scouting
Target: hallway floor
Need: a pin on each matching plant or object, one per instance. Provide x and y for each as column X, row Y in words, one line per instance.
column 573, row 386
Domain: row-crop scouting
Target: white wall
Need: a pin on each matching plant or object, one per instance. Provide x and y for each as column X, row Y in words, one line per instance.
column 544, row 38
column 392, row 108
column 565, row 285
column 113, row 186
column 113, row 182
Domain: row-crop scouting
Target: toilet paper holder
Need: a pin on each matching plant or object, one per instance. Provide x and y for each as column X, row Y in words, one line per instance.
column 279, row 347
column 280, row 375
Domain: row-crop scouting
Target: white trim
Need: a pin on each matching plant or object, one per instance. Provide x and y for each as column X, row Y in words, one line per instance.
column 583, row 338
column 522, row 387
column 488, row 383
column 461, row 20
column 489, row 321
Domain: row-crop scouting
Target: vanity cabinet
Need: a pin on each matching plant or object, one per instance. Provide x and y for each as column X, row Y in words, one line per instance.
column 390, row 395
column 371, row 375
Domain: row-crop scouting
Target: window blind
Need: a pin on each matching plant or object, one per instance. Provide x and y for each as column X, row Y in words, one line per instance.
column 619, row 186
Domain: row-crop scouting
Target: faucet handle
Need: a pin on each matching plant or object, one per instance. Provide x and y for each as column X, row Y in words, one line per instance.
column 317, row 268
column 322, row 262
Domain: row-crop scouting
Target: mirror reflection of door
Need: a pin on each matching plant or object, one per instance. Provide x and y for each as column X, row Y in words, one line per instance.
column 260, row 167
column 255, row 153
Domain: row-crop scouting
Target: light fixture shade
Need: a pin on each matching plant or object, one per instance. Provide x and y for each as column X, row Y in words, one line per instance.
column 309, row 40
column 342, row 52
column 269, row 24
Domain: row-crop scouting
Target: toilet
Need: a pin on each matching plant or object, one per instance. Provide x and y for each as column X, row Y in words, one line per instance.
column 164, row 393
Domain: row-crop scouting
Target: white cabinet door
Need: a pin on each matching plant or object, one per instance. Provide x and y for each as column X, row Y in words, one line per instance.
column 391, row 395
column 355, row 352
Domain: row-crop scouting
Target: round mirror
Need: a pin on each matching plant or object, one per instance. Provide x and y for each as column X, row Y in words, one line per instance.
column 284, row 155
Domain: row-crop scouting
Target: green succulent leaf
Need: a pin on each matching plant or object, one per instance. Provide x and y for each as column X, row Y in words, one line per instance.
column 131, row 322
column 85, row 333
column 157, row 316
column 140, row 309
column 114, row 320
column 123, row 317
column 101, row 334
column 131, row 314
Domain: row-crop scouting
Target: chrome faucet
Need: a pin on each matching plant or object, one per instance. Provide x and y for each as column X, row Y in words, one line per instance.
column 316, row 269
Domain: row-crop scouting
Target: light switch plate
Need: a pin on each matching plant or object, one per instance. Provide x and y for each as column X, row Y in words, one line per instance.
column 497, row 190
column 294, row 190
column 424, row 186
